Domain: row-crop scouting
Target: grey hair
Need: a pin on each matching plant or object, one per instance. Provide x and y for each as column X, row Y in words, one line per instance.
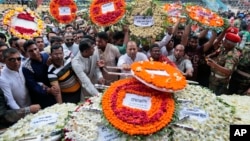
column 9, row 51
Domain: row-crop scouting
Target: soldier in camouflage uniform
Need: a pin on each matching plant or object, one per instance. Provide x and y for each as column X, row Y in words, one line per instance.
column 223, row 62
column 240, row 81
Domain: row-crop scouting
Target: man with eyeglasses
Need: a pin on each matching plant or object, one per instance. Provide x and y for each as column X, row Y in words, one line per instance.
column 69, row 43
column 12, row 82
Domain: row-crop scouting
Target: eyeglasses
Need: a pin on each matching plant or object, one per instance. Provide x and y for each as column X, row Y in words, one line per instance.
column 68, row 40
column 15, row 59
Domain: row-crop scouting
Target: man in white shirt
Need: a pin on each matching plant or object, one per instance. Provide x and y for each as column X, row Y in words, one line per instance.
column 69, row 43
column 132, row 55
column 183, row 64
column 85, row 66
column 12, row 81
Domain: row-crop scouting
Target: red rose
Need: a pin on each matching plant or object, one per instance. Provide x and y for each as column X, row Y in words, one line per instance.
column 73, row 10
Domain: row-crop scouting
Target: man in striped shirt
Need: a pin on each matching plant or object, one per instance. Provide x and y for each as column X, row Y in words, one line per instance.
column 61, row 75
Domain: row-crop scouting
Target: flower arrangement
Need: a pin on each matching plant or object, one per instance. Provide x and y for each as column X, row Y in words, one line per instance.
column 220, row 115
column 64, row 11
column 149, row 12
column 107, row 12
column 134, row 121
column 204, row 16
column 174, row 12
column 25, row 129
column 23, row 23
column 82, row 125
column 171, row 79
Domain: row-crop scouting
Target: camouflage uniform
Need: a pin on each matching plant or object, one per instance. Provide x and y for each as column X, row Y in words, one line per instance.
column 239, row 83
column 218, row 82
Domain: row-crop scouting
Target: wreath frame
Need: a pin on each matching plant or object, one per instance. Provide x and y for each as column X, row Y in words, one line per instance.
column 20, row 31
column 64, row 19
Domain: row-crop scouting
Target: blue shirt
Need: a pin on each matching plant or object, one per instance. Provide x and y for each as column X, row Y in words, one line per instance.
column 36, row 73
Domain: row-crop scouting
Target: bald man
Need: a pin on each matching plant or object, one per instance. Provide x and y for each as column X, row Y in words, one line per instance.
column 19, row 45
column 132, row 55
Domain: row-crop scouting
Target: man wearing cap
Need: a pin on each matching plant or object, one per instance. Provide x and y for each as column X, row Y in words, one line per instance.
column 223, row 62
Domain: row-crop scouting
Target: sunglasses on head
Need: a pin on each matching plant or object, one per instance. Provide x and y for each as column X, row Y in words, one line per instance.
column 14, row 59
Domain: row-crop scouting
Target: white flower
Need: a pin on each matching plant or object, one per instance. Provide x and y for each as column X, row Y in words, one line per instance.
column 24, row 127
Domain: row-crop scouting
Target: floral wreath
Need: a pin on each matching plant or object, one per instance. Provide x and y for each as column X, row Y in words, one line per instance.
column 20, row 29
column 205, row 16
column 107, row 12
column 145, row 9
column 133, row 121
column 174, row 12
column 170, row 79
column 64, row 11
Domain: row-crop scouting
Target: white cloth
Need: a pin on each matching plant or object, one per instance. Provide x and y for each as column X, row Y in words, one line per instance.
column 165, row 52
column 74, row 48
column 87, row 71
column 110, row 56
column 182, row 64
column 165, row 40
column 125, row 59
column 13, row 85
column 1, row 66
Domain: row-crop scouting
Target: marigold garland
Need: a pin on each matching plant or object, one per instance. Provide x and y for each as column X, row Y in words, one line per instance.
column 134, row 121
column 54, row 10
column 109, row 18
column 20, row 31
column 174, row 12
column 175, row 81
column 204, row 16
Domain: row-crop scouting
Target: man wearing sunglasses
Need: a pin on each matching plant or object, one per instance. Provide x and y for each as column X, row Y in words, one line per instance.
column 12, row 82
column 69, row 43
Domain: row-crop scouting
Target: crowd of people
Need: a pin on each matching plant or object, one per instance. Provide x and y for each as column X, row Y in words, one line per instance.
column 65, row 64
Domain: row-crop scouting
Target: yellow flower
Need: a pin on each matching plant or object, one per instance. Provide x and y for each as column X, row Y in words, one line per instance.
column 19, row 9
column 35, row 34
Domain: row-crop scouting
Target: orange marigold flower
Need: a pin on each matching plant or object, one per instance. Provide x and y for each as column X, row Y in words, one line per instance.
column 136, row 121
column 168, row 77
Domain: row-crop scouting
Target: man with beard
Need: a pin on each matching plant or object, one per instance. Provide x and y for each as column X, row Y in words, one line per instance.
column 109, row 55
column 69, row 43
column 86, row 69
column 62, row 76
column 35, row 71
column 195, row 52
column 156, row 55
